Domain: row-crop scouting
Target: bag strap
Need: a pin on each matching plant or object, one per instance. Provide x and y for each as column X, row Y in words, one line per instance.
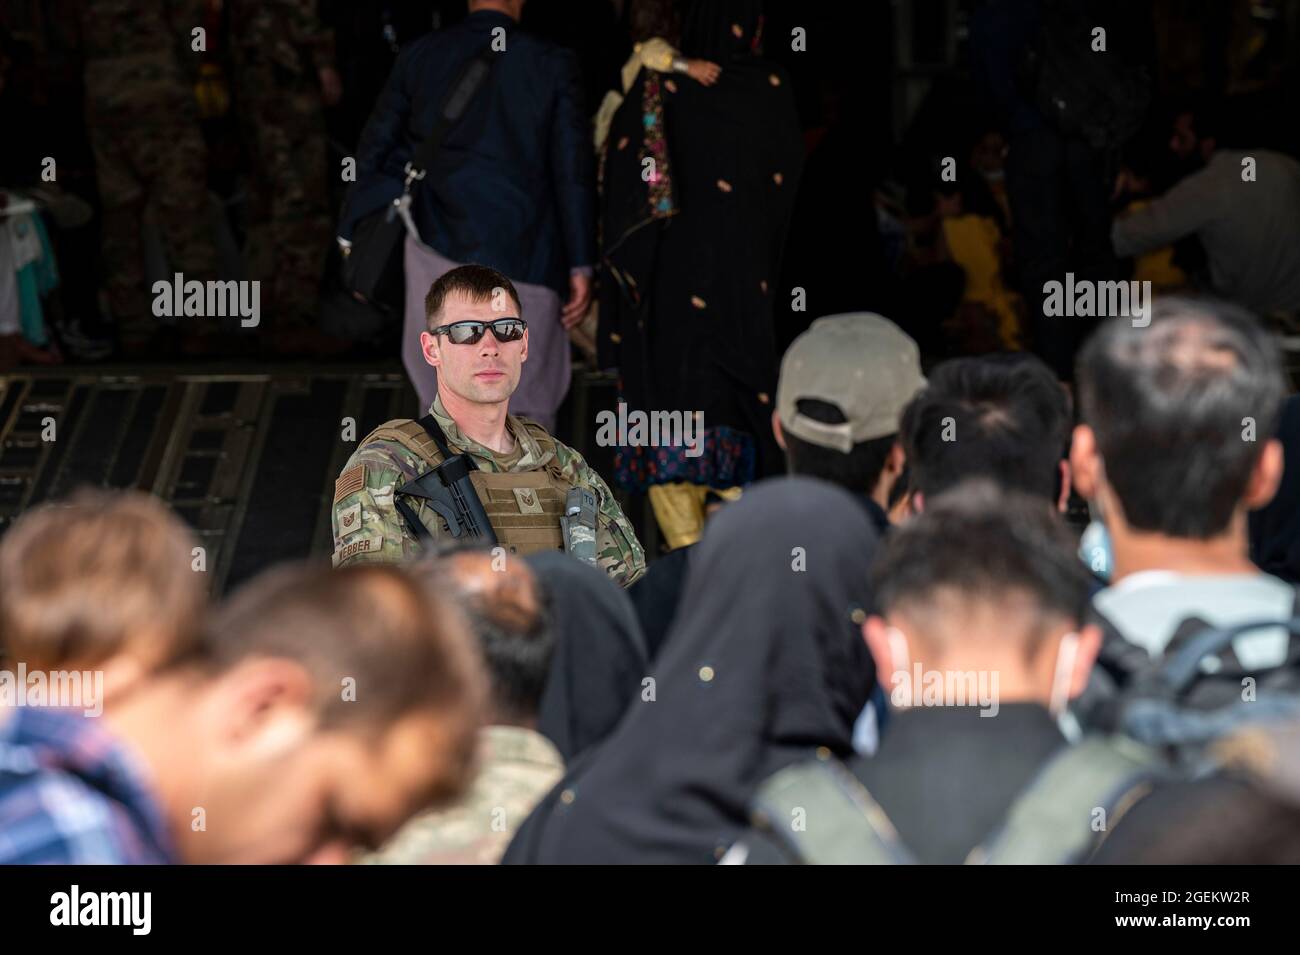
column 821, row 814
column 434, row 430
column 1120, row 657
column 1051, row 821
column 473, row 75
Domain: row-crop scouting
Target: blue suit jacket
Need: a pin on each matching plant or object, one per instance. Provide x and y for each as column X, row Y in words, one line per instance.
column 512, row 184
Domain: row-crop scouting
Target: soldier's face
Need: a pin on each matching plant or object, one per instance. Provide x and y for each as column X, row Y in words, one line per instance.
column 486, row 372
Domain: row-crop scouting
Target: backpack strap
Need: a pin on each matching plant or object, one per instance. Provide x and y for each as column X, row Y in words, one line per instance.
column 1120, row 657
column 1051, row 822
column 821, row 814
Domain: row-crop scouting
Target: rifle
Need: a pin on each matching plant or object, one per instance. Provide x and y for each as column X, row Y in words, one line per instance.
column 450, row 493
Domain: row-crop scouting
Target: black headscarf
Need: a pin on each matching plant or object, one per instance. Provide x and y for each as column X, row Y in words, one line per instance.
column 722, row 30
column 599, row 658
column 692, row 255
column 1275, row 529
column 764, row 665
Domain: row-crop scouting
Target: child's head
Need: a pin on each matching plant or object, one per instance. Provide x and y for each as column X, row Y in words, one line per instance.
column 104, row 576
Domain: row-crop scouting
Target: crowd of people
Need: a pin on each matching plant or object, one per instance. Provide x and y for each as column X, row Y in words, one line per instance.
column 688, row 249
column 899, row 652
column 949, row 576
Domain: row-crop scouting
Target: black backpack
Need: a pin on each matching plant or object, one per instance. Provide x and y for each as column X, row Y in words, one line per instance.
column 1180, row 704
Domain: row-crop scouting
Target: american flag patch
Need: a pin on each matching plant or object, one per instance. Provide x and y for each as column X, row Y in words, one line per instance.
column 349, row 482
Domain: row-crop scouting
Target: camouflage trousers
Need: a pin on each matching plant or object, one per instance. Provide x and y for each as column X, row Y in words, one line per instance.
column 290, row 228
column 163, row 168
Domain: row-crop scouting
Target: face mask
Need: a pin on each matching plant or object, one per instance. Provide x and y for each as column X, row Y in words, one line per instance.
column 1067, row 653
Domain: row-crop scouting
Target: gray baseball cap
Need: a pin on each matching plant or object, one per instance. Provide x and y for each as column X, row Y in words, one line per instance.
column 860, row 362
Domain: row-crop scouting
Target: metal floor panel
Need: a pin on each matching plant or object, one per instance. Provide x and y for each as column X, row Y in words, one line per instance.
column 248, row 460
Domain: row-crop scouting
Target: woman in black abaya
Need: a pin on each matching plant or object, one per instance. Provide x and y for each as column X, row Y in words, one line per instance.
column 765, row 665
column 698, row 188
column 599, row 659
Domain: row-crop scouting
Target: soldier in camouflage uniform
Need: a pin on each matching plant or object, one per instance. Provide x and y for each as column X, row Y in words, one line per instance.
column 517, row 767
column 522, row 482
column 143, row 126
column 284, row 65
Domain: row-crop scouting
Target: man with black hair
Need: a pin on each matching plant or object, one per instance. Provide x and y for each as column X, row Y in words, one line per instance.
column 1001, row 417
column 1242, row 204
column 518, row 765
column 843, row 385
column 1174, row 449
column 981, row 604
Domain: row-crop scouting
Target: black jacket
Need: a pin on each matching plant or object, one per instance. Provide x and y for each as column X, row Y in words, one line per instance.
column 512, row 185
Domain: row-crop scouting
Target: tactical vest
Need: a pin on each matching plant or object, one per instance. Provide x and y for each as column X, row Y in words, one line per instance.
column 524, row 507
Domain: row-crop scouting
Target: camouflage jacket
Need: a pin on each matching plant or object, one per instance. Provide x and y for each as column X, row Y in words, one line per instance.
column 368, row 527
column 287, row 33
column 140, row 66
column 517, row 768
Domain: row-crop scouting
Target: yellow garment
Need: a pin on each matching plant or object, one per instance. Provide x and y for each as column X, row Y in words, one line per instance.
column 1157, row 267
column 679, row 510
column 212, row 92
column 654, row 54
column 972, row 242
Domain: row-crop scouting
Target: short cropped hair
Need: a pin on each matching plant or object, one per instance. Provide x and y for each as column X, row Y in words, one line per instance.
column 404, row 648
column 1001, row 417
column 475, row 282
column 983, row 544
column 1172, row 405
column 102, row 573
column 858, row 471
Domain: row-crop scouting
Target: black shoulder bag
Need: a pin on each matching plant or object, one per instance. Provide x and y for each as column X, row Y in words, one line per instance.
column 372, row 265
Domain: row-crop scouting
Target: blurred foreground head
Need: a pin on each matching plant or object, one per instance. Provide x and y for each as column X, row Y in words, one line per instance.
column 105, row 580
column 563, row 649
column 323, row 709
column 501, row 603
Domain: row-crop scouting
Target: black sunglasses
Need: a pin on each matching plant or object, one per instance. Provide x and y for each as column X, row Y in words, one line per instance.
column 470, row 333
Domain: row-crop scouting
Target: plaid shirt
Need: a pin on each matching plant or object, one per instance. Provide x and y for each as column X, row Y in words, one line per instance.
column 71, row 793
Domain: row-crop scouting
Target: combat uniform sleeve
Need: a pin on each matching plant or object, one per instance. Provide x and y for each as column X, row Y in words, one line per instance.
column 366, row 523
column 618, row 552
